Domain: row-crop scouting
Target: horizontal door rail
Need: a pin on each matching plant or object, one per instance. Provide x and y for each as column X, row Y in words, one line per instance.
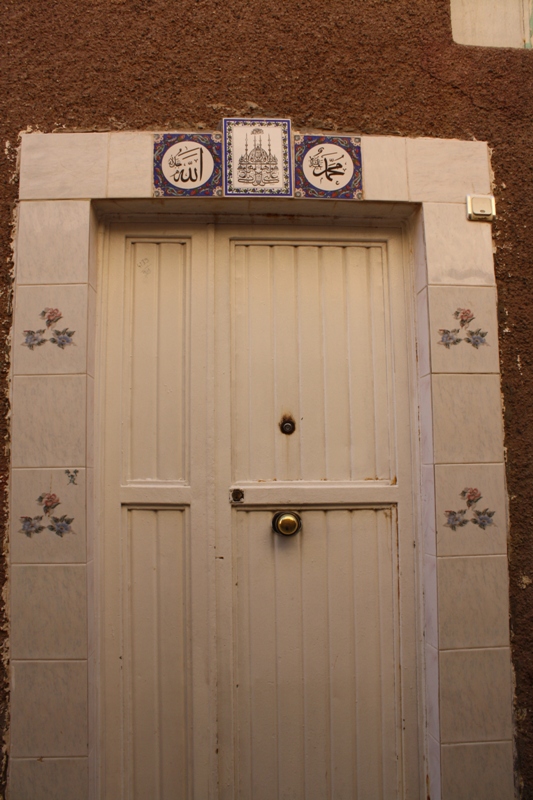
column 315, row 494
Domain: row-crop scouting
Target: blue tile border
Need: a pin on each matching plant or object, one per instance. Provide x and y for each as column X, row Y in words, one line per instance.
column 323, row 177
column 264, row 168
column 200, row 163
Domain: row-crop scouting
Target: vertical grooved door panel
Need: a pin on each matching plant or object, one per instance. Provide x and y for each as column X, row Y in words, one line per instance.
column 316, row 657
column 155, row 362
column 155, row 632
column 311, row 340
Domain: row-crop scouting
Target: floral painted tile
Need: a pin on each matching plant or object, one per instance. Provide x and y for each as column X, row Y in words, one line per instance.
column 48, row 516
column 328, row 167
column 471, row 509
column 188, row 165
column 257, row 157
column 463, row 329
column 50, row 330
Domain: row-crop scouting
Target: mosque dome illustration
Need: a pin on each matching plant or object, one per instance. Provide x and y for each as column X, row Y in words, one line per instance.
column 258, row 166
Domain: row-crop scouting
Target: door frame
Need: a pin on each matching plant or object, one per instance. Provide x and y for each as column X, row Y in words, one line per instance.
column 420, row 184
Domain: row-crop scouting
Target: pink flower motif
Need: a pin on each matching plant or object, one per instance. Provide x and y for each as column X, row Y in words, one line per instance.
column 471, row 495
column 464, row 315
column 51, row 315
column 48, row 501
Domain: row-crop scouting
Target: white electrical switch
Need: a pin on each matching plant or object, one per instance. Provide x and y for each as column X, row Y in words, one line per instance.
column 480, row 207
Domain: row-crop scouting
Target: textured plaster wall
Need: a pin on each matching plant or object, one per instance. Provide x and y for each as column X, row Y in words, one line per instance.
column 367, row 66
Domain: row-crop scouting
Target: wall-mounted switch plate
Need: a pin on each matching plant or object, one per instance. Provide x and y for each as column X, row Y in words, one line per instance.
column 480, row 207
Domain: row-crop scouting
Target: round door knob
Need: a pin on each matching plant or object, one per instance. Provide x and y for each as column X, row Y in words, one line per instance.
column 287, row 523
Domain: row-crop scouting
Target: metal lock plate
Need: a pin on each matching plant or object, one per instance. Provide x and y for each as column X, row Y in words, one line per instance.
column 287, row 425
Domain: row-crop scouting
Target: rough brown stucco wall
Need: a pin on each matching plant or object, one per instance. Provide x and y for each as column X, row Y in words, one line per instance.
column 368, row 66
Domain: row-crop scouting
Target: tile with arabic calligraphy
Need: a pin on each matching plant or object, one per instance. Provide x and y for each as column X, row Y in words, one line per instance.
column 257, row 157
column 328, row 167
column 188, row 165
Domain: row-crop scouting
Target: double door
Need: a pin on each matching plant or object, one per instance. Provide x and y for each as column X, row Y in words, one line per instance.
column 250, row 370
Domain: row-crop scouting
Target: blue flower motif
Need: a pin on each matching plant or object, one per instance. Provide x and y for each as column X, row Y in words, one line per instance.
column 61, row 525
column 449, row 337
column 63, row 338
column 483, row 518
column 476, row 338
column 455, row 519
column 34, row 339
column 31, row 525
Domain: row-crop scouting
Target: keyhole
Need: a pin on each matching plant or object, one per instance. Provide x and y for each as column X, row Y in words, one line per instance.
column 287, row 425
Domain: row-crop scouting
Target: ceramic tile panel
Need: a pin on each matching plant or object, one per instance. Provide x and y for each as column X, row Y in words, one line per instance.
column 468, row 488
column 187, row 165
column 327, row 167
column 59, row 497
column 48, row 778
column 385, row 168
column 129, row 172
column 428, row 509
column 426, row 419
column 48, row 611
column 50, row 329
column 467, row 418
column 431, row 617
column 48, row 708
column 49, row 420
column 463, row 329
column 473, row 604
column 53, row 242
column 433, row 768
column 458, row 251
column 63, row 166
column 422, row 329
column 257, row 157
column 432, row 690
column 472, row 771
column 446, row 170
column 475, row 695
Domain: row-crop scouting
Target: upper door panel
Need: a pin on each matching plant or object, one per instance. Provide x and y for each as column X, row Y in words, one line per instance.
column 311, row 341
column 155, row 360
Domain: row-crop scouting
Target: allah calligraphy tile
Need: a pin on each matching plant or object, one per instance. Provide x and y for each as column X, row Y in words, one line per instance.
column 328, row 166
column 188, row 165
column 257, row 157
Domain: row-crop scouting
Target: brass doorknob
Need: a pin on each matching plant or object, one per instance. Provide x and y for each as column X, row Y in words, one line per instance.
column 287, row 523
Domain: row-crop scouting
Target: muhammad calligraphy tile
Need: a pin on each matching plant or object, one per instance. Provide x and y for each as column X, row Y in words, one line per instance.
column 257, row 157
column 328, row 166
column 188, row 165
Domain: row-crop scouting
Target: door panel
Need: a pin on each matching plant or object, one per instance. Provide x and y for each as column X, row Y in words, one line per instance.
column 155, row 659
column 311, row 340
column 316, row 636
column 156, row 345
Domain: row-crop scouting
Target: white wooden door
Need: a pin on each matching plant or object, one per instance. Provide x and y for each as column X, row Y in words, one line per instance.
column 238, row 663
